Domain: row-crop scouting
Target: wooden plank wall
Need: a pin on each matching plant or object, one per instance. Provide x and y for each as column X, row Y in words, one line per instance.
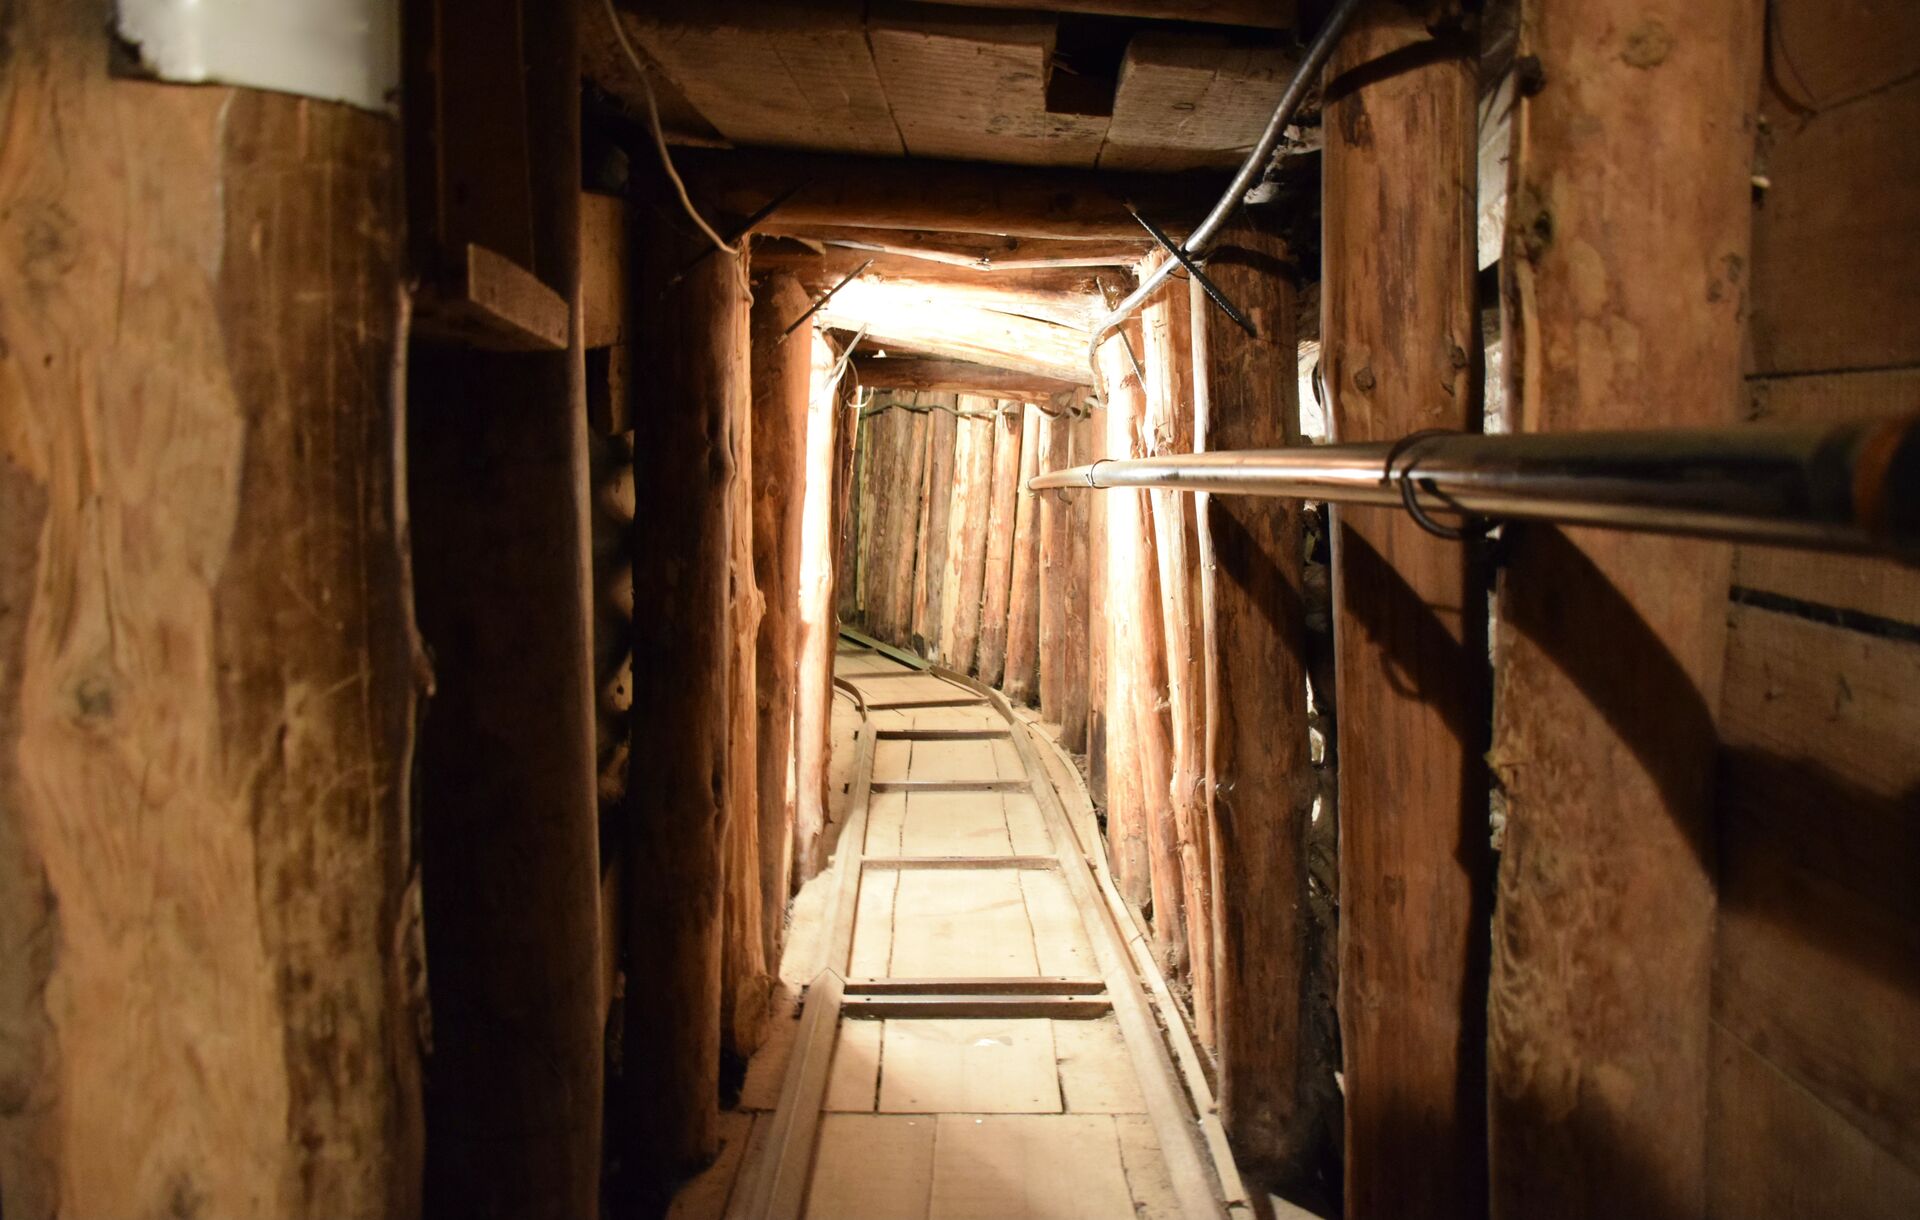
column 1814, row 1100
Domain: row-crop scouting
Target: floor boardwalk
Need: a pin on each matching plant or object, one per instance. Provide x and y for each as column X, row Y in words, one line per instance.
column 1018, row 1093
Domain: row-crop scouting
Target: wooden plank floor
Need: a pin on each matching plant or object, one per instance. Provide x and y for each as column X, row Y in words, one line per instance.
column 1034, row 1113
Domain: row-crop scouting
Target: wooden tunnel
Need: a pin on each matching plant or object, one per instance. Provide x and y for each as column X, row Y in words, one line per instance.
column 518, row 570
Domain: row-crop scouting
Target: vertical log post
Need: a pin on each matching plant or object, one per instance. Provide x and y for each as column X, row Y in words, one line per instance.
column 782, row 382
column 207, row 668
column 509, row 800
column 813, row 696
column 1125, row 530
column 696, row 349
column 930, row 553
column 1258, row 783
column 1055, row 454
column 1623, row 286
column 1000, row 526
column 966, row 551
column 1168, row 325
column 743, row 956
column 1023, row 599
column 1075, row 697
column 1399, row 353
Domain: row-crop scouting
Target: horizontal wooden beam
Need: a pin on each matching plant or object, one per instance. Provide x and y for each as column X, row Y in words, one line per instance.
column 961, row 197
column 970, row 252
column 489, row 301
column 1046, row 984
column 958, row 376
column 1263, row 14
column 1002, row 1007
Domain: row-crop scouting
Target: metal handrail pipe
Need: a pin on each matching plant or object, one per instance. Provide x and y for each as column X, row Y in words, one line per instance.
column 1250, row 169
column 1852, row 487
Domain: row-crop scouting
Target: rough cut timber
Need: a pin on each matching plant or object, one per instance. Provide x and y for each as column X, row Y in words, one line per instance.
column 195, row 457
column 954, row 376
column 813, row 697
column 930, row 552
column 744, row 973
column 1129, row 595
column 606, row 268
column 1258, row 786
column 782, row 377
column 665, row 1111
column 774, row 75
column 1023, row 599
column 972, row 85
column 1052, row 528
column 1603, row 927
column 605, row 63
column 950, row 196
column 1187, row 100
column 893, row 317
column 1274, row 14
column 508, row 803
column 1075, row 698
column 1167, row 325
column 1398, row 354
column 999, row 531
column 1065, row 264
column 966, row 550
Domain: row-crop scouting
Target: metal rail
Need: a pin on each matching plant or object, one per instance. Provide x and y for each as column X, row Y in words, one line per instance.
column 1243, row 179
column 1852, row 487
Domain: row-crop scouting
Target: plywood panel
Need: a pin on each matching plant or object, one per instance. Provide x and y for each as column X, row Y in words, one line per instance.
column 873, row 925
column 960, row 922
column 969, row 1066
column 854, row 1078
column 954, row 824
column 953, row 760
column 1006, row 760
column 891, row 758
column 1096, row 1073
column 972, row 85
column 1778, row 1153
column 1028, row 1167
column 1850, row 582
column 705, row 1197
column 1147, row 1177
column 886, row 813
column 1059, row 936
column 1189, row 100
column 872, row 1165
column 1026, row 829
column 957, row 718
column 776, row 75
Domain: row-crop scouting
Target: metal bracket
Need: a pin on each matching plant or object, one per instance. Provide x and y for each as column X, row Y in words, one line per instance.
column 1186, row 260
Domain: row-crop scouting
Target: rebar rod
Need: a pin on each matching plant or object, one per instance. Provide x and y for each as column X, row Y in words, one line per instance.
column 1851, row 487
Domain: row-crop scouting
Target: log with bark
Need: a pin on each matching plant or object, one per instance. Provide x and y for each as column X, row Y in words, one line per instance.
column 1023, row 596
column 966, row 554
column 1000, row 526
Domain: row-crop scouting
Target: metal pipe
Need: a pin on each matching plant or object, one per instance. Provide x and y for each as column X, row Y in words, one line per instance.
column 1202, row 236
column 1853, row 487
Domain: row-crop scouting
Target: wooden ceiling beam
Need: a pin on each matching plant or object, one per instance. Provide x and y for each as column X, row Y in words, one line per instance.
column 1263, row 14
column 933, row 373
column 971, row 251
column 1068, row 296
column 954, row 196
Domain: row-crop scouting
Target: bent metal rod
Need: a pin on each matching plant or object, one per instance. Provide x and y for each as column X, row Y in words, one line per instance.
column 1852, row 487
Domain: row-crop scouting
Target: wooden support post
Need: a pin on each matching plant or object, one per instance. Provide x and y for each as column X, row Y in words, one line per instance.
column 850, row 441
column 744, row 981
column 696, row 349
column 1023, row 598
column 1624, row 309
column 207, row 668
column 1400, row 352
column 966, row 553
column 1258, row 784
column 1168, row 326
column 1129, row 591
column 1075, row 698
column 782, row 382
column 1055, row 454
column 813, row 696
column 930, row 552
column 1096, row 763
column 508, row 802
column 999, row 528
